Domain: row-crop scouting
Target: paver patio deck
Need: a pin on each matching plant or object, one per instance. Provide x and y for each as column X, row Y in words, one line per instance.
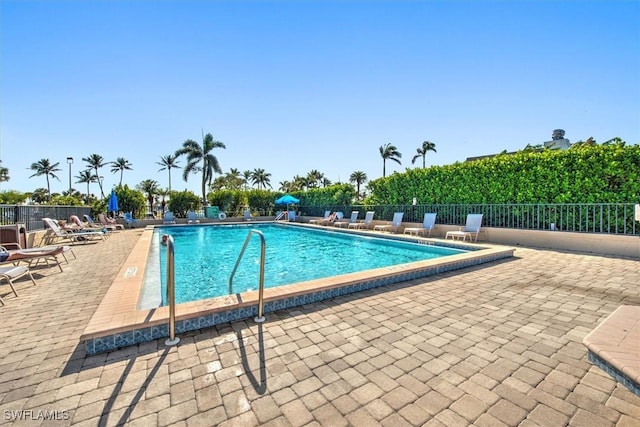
column 498, row 344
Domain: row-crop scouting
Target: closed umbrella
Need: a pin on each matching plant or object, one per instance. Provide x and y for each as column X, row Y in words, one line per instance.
column 113, row 202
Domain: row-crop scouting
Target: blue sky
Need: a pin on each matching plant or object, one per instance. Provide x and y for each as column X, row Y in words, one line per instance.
column 291, row 86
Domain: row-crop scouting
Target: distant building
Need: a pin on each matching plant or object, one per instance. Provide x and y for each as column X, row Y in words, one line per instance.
column 558, row 142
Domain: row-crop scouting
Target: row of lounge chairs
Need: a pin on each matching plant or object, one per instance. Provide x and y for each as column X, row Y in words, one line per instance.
column 470, row 230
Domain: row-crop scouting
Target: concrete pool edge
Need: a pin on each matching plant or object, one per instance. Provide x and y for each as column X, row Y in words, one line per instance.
column 118, row 323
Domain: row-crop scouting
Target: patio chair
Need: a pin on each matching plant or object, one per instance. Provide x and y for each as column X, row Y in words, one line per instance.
column 106, row 221
column 168, row 218
column 11, row 273
column 192, row 218
column 336, row 216
column 428, row 224
column 93, row 224
column 45, row 253
column 353, row 219
column 291, row 215
column 54, row 233
column 325, row 217
column 396, row 222
column 471, row 229
column 130, row 220
column 368, row 219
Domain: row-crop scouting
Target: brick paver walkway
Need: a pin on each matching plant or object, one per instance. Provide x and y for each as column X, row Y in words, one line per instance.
column 499, row 344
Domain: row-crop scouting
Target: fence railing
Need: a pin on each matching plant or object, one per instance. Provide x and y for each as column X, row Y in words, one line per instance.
column 608, row 218
column 31, row 215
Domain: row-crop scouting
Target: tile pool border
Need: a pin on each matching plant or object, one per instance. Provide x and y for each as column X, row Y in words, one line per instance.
column 118, row 322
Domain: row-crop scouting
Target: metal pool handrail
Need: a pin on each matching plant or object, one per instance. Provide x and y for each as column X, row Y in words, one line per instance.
column 260, row 317
column 171, row 292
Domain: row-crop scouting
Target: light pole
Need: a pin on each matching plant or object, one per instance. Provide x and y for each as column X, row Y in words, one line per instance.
column 70, row 161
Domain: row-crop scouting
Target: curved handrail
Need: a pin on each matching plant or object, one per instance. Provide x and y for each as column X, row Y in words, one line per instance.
column 260, row 317
column 171, row 293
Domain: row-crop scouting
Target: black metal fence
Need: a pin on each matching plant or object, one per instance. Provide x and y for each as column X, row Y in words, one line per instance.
column 608, row 218
column 31, row 215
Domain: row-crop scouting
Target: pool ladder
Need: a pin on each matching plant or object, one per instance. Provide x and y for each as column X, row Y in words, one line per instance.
column 260, row 317
column 171, row 294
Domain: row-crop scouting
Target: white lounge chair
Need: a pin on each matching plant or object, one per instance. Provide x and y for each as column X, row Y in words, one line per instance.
column 192, row 218
column 471, row 229
column 324, row 218
column 395, row 223
column 428, row 224
column 352, row 220
column 54, row 233
column 247, row 215
column 368, row 219
column 168, row 218
column 11, row 273
column 45, row 253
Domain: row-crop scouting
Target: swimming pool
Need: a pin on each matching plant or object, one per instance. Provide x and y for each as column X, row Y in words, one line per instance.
column 205, row 256
column 121, row 321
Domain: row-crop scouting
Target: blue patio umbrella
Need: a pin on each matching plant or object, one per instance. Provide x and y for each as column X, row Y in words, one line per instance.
column 287, row 199
column 113, row 202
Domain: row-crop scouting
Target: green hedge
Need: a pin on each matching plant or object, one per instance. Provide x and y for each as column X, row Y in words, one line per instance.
column 589, row 174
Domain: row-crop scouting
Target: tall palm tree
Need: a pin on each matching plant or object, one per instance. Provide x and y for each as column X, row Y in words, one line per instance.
column 119, row 166
column 285, row 186
column 261, row 178
column 422, row 152
column 95, row 162
column 196, row 154
column 150, row 187
column 44, row 167
column 390, row 152
column 359, row 178
column 168, row 162
column 87, row 177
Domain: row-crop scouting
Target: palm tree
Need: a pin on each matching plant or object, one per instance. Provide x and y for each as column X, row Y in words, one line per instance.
column 390, row 152
column 246, row 176
column 261, row 178
column 95, row 162
column 44, row 167
column 422, row 152
column 359, row 178
column 168, row 162
column 87, row 177
column 4, row 173
column 314, row 178
column 326, row 182
column 120, row 165
column 150, row 187
column 195, row 154
column 285, row 186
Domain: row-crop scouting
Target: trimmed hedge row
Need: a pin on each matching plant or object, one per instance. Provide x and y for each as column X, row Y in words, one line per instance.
column 589, row 174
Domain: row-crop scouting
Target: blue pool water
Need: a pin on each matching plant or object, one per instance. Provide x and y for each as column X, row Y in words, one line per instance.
column 205, row 256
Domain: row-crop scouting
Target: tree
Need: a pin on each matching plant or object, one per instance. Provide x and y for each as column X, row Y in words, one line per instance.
column 422, row 152
column 44, row 167
column 359, row 178
column 196, row 154
column 95, row 162
column 168, row 162
column 314, row 178
column 120, row 165
column 261, row 178
column 246, row 175
column 87, row 177
column 389, row 152
column 39, row 195
column 150, row 188
column 4, row 173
